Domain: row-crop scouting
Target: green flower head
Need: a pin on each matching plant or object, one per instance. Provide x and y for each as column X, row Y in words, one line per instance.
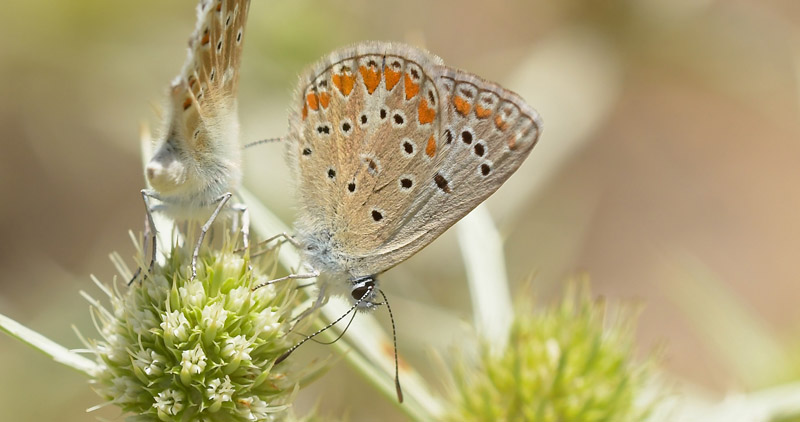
column 175, row 349
column 573, row 362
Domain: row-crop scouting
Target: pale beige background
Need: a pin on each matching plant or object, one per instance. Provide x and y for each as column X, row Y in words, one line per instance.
column 682, row 117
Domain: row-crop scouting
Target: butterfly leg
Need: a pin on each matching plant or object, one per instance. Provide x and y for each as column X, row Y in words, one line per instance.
column 312, row 274
column 322, row 299
column 145, row 241
column 222, row 200
column 149, row 231
column 286, row 238
column 244, row 220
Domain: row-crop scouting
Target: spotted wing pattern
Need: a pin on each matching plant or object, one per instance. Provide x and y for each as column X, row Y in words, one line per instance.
column 210, row 74
column 391, row 148
column 201, row 130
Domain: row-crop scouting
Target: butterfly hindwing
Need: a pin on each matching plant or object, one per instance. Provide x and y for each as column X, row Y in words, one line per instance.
column 206, row 89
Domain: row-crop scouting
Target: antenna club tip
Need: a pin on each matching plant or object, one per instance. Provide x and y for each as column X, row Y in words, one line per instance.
column 399, row 390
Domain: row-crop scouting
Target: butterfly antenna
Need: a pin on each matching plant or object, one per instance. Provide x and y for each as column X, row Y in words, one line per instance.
column 340, row 335
column 263, row 141
column 286, row 354
column 394, row 339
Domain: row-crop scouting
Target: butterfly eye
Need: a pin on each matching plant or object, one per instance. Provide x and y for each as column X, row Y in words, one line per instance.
column 362, row 288
column 358, row 293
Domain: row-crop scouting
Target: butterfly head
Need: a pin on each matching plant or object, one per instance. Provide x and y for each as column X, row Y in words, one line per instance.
column 365, row 290
column 167, row 171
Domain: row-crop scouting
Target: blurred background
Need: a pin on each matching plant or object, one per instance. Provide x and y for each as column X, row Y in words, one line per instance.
column 668, row 171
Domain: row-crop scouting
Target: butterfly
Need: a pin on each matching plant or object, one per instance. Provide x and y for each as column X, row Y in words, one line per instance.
column 196, row 167
column 389, row 148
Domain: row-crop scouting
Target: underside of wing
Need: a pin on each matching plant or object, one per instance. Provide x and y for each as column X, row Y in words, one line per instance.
column 205, row 91
column 364, row 127
column 485, row 133
column 391, row 148
column 199, row 156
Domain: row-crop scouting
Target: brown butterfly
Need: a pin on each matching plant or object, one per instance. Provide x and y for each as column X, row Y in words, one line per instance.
column 196, row 167
column 389, row 148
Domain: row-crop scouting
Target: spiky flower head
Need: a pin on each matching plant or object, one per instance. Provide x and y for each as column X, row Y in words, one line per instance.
column 574, row 362
column 175, row 349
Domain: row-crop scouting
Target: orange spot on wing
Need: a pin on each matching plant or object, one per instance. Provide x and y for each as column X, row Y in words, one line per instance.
column 371, row 78
column 392, row 78
column 512, row 143
column 462, row 105
column 500, row 123
column 312, row 101
column 305, row 111
column 205, row 39
column 344, row 83
column 324, row 99
column 430, row 150
column 482, row 113
column 411, row 88
column 426, row 114
column 187, row 103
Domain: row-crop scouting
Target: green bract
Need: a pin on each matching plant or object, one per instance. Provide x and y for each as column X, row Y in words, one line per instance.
column 201, row 350
column 572, row 363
